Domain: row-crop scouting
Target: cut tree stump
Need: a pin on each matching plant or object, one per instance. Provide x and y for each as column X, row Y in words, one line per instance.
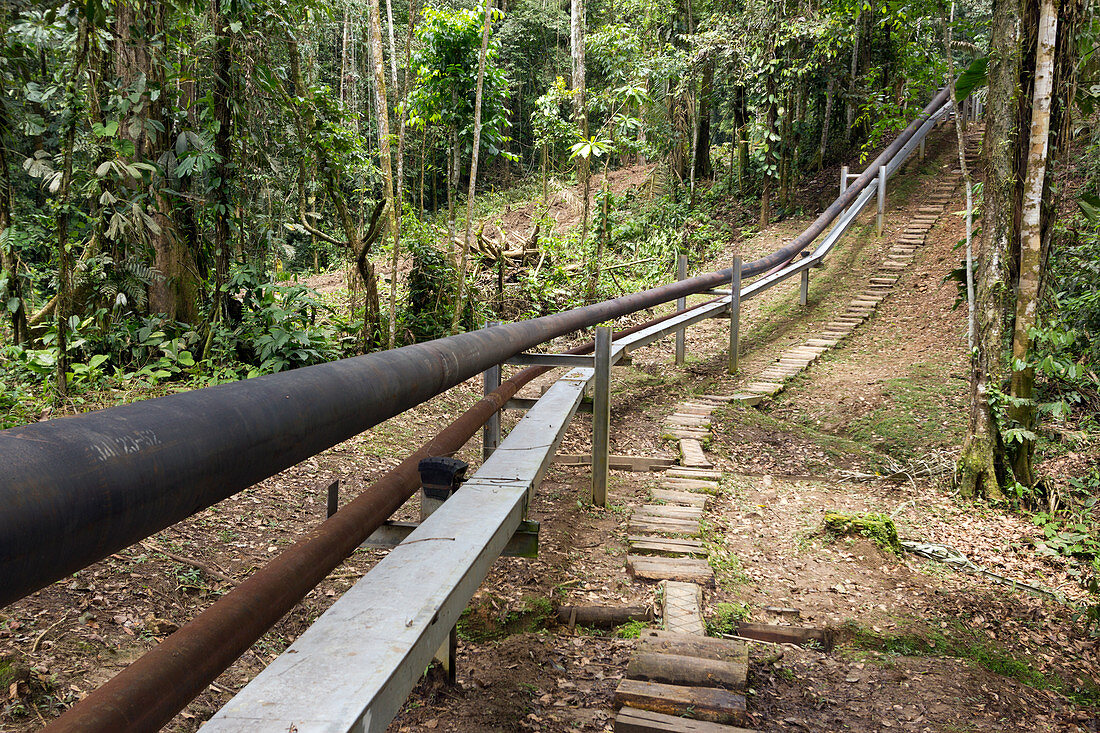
column 704, row 703
column 634, row 720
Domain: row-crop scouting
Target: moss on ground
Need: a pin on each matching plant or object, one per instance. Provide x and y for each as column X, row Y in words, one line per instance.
column 878, row 528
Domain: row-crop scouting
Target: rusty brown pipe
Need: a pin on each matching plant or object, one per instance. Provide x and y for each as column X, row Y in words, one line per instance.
column 147, row 694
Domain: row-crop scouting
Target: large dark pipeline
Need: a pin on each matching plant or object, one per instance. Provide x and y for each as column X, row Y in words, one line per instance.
column 149, row 692
column 75, row 490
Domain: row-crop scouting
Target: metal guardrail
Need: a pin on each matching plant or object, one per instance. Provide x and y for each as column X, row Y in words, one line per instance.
column 405, row 608
column 126, row 458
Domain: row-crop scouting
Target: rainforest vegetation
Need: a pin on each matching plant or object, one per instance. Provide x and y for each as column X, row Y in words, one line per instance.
column 174, row 176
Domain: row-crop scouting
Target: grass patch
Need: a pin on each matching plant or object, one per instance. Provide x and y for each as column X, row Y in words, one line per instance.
column 962, row 643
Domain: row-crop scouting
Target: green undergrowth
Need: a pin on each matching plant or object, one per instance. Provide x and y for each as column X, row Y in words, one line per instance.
column 489, row 618
column 630, row 630
column 725, row 618
column 878, row 528
column 922, row 409
column 959, row 642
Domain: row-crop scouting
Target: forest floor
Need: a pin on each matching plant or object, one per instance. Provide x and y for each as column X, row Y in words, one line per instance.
column 920, row 647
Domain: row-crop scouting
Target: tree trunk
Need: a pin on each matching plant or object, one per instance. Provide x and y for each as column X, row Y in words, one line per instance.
column 384, row 153
column 827, row 115
column 1031, row 241
column 223, row 147
column 175, row 292
column 703, row 167
column 457, row 316
column 9, row 263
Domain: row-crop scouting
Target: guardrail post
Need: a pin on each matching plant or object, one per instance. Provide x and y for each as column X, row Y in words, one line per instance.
column 735, row 313
column 681, row 303
column 490, row 434
column 601, row 416
column 804, row 287
column 881, row 200
column 843, row 179
column 333, row 497
column 921, row 156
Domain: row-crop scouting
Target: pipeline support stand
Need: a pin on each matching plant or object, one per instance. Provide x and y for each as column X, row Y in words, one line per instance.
column 490, row 434
column 601, row 415
column 681, row 303
column 735, row 313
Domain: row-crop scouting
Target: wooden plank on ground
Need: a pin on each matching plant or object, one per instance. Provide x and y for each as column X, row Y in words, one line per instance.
column 689, row 569
column 619, row 463
column 648, row 525
column 695, row 473
column 706, row 647
column 785, row 634
column 665, row 546
column 692, row 452
column 689, row 484
column 635, row 720
column 684, row 498
column 669, row 511
column 682, row 610
column 704, row 703
column 675, row 669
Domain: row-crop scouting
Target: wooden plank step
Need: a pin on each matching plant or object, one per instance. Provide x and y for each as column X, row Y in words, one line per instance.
column 689, row 418
column 749, row 400
column 668, row 511
column 692, row 452
column 636, row 720
column 716, row 397
column 706, row 647
column 652, row 525
column 821, row 342
column 619, row 463
column 642, row 544
column 694, row 408
column 784, row 634
column 686, row 433
column 682, row 610
column 686, row 421
column 704, row 703
column 690, row 569
column 673, row 669
column 693, row 473
column 884, row 280
column 690, row 484
column 681, row 498
column 764, row 388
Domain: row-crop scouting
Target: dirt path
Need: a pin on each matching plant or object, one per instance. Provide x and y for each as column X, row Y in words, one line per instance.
column 922, row 648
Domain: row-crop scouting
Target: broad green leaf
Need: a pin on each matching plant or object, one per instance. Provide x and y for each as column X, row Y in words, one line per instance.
column 973, row 78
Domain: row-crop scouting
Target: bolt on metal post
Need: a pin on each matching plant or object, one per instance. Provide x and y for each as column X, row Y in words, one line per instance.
column 681, row 303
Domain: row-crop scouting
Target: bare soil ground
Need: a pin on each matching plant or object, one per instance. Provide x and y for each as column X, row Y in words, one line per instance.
column 920, row 647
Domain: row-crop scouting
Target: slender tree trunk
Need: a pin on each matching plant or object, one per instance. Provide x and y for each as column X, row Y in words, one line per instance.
column 223, row 147
column 384, row 154
column 853, row 82
column 1031, row 241
column 740, row 124
column 826, row 118
column 703, row 168
column 457, row 316
column 9, row 264
column 393, row 46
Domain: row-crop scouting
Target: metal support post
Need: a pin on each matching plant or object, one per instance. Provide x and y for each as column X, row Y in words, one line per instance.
column 881, row 200
column 922, row 148
column 601, row 416
column 843, row 179
column 735, row 313
column 333, row 497
column 681, row 303
column 804, row 288
column 490, row 434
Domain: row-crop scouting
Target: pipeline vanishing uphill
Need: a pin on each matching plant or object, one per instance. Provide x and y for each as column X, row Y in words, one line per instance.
column 77, row 489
